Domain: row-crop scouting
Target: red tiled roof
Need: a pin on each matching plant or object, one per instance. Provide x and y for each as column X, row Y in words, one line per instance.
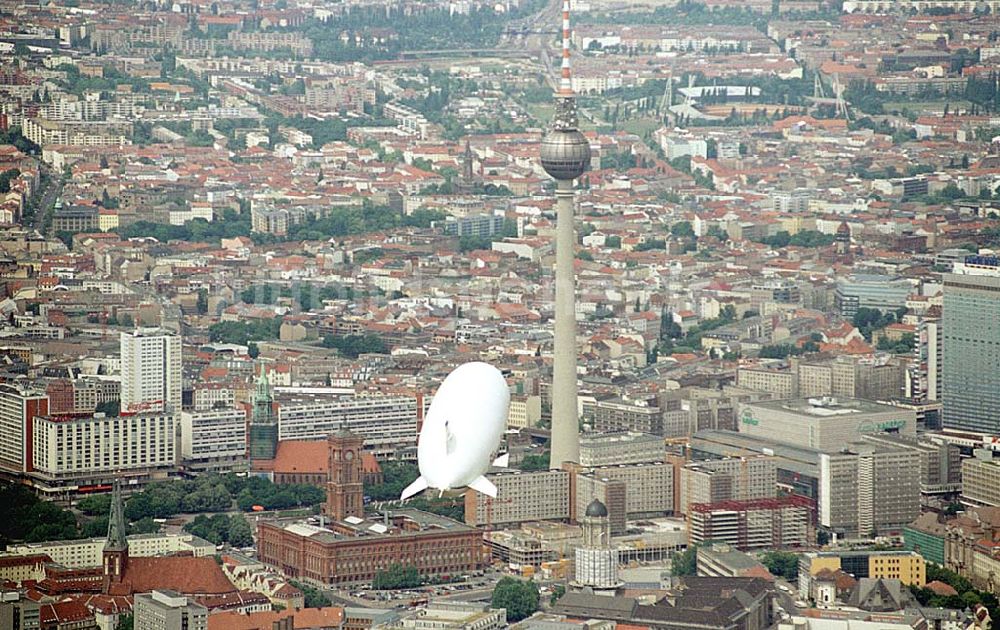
column 63, row 612
column 940, row 588
column 185, row 574
column 302, row 456
column 369, row 464
column 758, row 571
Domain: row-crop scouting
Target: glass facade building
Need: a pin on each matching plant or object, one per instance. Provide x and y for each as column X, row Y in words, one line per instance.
column 971, row 351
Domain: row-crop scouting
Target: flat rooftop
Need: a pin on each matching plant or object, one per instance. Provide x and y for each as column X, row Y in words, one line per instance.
column 721, row 442
column 607, row 439
column 406, row 522
column 826, row 407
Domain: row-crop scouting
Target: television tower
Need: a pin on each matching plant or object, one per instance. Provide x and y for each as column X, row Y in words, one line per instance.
column 565, row 154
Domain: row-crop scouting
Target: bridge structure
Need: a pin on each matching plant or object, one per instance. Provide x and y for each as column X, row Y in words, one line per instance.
column 444, row 53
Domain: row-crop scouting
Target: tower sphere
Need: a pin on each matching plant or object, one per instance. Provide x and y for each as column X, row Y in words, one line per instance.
column 565, row 153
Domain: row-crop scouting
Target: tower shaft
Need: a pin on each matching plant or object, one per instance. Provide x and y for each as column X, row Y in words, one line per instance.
column 565, row 156
column 565, row 426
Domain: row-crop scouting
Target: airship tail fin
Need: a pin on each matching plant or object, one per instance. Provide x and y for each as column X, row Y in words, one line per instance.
column 484, row 485
column 416, row 487
column 503, row 461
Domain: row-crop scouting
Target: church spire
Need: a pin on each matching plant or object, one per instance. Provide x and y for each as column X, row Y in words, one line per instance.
column 263, row 424
column 116, row 522
column 115, row 554
column 262, row 398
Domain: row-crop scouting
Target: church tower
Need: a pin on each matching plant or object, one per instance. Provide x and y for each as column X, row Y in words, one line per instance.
column 467, row 165
column 843, row 239
column 344, row 490
column 263, row 424
column 115, row 553
column 596, row 560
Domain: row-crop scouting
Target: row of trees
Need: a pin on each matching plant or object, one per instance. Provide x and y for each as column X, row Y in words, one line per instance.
column 222, row 528
column 980, row 91
column 868, row 320
column 968, row 594
column 309, row 296
column 803, row 238
column 244, row 332
column 231, row 225
column 397, row 576
column 354, row 346
column 785, row 350
column 314, row 598
column 345, row 221
column 519, row 597
column 15, row 137
column 782, row 563
column 208, row 493
column 396, row 475
column 7, row 177
column 28, row 518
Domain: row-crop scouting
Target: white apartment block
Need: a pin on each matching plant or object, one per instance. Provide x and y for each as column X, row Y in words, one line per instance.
column 386, row 422
column 69, row 446
column 213, row 434
column 524, row 411
column 78, row 133
column 625, row 447
column 151, row 369
column 79, row 554
column 17, row 408
column 650, row 487
column 521, row 496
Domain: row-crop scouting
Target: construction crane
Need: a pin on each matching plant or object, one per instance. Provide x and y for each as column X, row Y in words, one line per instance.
column 841, row 104
column 489, row 523
column 819, row 96
column 667, row 101
column 818, row 91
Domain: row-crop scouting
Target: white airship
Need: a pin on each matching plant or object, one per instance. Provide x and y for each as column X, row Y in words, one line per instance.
column 462, row 430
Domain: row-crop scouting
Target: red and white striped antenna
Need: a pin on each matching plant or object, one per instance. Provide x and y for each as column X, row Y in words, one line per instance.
column 566, row 82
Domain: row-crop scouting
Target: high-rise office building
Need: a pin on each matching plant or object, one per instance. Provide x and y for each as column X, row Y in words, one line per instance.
column 728, row 479
column 18, row 409
column 867, row 488
column 755, row 524
column 971, row 346
column 151, row 370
